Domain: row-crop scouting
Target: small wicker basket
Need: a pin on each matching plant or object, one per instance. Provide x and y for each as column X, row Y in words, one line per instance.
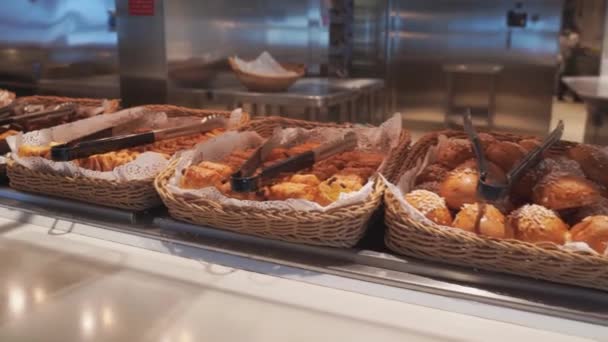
column 272, row 84
column 547, row 261
column 342, row 227
column 133, row 195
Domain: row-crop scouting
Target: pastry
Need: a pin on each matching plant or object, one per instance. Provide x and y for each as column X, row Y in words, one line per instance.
column 286, row 190
column 529, row 144
column 495, row 173
column 578, row 214
column 593, row 160
column 430, row 205
column 535, row 223
column 489, row 222
column 8, row 133
column 560, row 190
column 330, row 189
column 107, row 161
column 205, row 174
column 36, row 151
column 522, row 190
column 453, row 152
column 432, row 173
column 505, row 154
column 593, row 230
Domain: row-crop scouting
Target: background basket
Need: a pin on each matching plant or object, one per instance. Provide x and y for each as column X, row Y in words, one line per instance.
column 259, row 83
column 131, row 195
column 546, row 261
column 342, row 227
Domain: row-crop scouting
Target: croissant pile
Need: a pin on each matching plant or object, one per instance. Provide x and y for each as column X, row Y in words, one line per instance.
column 560, row 192
column 323, row 183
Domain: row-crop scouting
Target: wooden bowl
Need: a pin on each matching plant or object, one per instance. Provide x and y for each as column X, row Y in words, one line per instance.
column 266, row 84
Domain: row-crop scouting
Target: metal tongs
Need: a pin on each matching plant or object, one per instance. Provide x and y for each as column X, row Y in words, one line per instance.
column 491, row 191
column 82, row 149
column 57, row 111
column 246, row 179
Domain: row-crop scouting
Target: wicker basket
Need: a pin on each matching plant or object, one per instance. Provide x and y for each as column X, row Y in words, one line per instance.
column 133, row 195
column 546, row 261
column 342, row 227
column 259, row 83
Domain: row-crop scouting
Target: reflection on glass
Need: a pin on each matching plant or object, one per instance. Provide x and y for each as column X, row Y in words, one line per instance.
column 16, row 300
column 39, row 295
column 107, row 316
column 87, row 322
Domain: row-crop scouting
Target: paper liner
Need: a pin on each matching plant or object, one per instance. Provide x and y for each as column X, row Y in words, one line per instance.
column 146, row 166
column 406, row 183
column 264, row 65
column 369, row 139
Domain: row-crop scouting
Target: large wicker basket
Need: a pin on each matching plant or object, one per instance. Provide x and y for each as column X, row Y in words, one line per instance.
column 132, row 195
column 260, row 83
column 547, row 261
column 342, row 227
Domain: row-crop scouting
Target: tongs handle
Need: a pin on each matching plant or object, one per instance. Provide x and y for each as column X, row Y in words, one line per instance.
column 71, row 151
column 482, row 163
column 64, row 109
column 532, row 158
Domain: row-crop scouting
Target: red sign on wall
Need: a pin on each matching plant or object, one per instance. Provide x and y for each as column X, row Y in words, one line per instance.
column 141, row 7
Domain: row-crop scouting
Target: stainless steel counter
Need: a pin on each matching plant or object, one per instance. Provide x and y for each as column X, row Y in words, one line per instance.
column 369, row 262
column 593, row 91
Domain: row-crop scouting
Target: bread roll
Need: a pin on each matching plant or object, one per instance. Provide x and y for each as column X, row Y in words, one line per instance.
column 432, row 173
column 505, row 154
column 576, row 215
column 459, row 187
column 430, row 205
column 490, row 222
column 559, row 190
column 454, row 152
column 429, row 186
column 593, row 160
column 529, row 144
column 495, row 173
column 535, row 223
column 522, row 190
column 594, row 231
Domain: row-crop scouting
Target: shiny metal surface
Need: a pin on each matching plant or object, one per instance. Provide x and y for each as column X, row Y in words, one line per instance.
column 594, row 92
column 423, row 36
column 55, row 38
column 369, row 262
column 142, row 51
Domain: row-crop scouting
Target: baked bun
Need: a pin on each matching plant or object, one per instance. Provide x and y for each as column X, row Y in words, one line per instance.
column 432, row 173
column 578, row 214
column 529, row 144
column 429, row 186
column 535, row 223
column 496, row 174
column 490, row 222
column 594, row 231
column 593, row 160
column 505, row 154
column 459, row 187
column 522, row 189
column 453, row 152
column 559, row 190
column 430, row 205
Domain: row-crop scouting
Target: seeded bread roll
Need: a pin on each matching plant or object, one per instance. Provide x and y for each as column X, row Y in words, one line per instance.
column 593, row 230
column 430, row 205
column 490, row 222
column 522, row 190
column 535, row 223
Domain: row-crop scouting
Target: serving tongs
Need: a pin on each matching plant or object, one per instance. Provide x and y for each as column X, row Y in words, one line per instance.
column 495, row 191
column 246, row 179
column 83, row 149
column 64, row 109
